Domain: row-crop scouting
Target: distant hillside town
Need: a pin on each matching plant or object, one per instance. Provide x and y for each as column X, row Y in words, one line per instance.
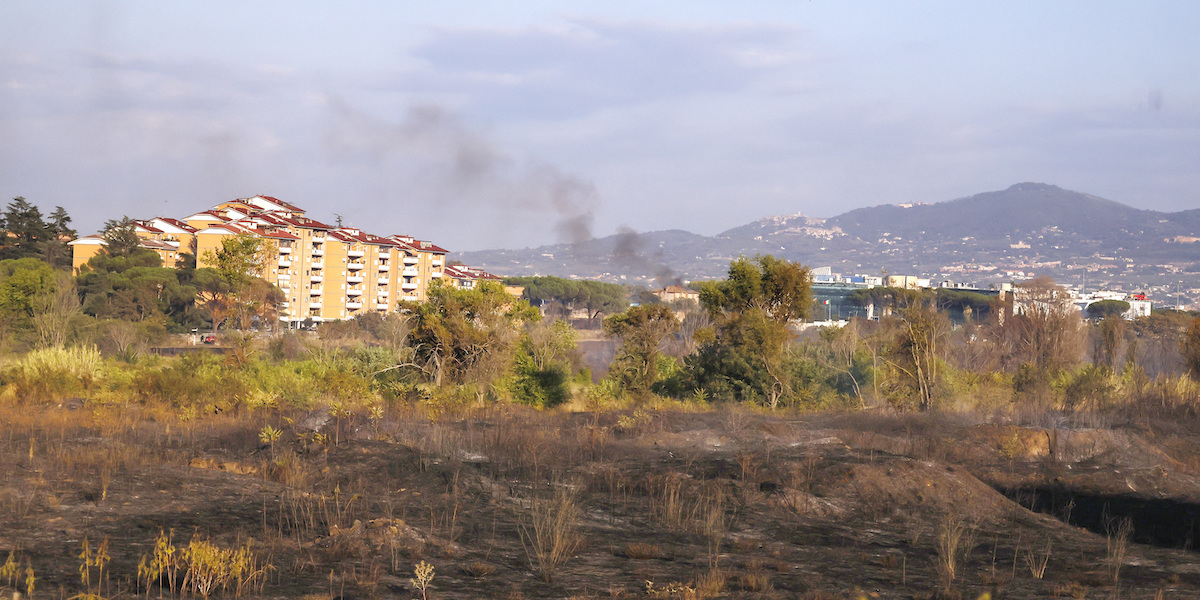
column 327, row 272
column 843, row 297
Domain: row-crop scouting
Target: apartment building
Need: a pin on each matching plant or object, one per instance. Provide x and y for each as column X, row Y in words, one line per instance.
column 326, row 272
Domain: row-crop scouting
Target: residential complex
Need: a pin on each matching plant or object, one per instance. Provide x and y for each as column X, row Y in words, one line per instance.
column 326, row 272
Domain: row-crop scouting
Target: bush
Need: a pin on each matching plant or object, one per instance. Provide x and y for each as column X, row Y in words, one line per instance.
column 55, row 373
column 1092, row 387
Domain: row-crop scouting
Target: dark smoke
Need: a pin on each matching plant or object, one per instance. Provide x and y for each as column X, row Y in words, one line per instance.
column 459, row 164
column 629, row 253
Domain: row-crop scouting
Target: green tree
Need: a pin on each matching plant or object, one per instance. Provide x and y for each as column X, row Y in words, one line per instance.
column 747, row 357
column 1107, row 308
column 244, row 298
column 25, row 232
column 567, row 295
column 641, row 330
column 466, row 335
column 120, row 237
column 55, row 249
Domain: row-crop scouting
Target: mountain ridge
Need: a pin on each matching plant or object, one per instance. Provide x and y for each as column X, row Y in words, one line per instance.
column 1027, row 227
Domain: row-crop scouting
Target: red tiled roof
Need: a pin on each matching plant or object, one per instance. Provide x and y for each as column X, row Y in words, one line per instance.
column 157, row 245
column 208, row 213
column 177, row 223
column 285, row 205
column 278, row 234
column 149, row 228
column 465, row 272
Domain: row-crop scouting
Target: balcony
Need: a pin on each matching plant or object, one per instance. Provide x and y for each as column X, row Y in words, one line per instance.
column 411, row 260
column 354, row 279
column 409, row 271
column 408, row 285
column 439, row 261
column 355, row 305
column 381, row 305
column 317, row 264
column 283, row 262
column 283, row 276
column 356, row 253
column 354, row 266
column 354, row 292
column 315, row 291
column 436, row 274
column 382, row 281
column 314, row 304
column 285, row 249
column 318, row 252
column 316, row 278
column 383, row 267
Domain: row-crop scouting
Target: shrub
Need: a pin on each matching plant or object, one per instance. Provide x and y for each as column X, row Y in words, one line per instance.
column 54, row 373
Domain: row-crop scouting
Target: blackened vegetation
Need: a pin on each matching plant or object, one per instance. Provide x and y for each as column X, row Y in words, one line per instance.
column 1159, row 522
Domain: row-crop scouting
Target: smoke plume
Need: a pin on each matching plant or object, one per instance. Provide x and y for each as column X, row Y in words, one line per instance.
column 433, row 152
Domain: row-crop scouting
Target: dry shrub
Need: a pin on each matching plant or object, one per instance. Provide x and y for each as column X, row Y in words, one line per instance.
column 756, row 581
column 954, row 543
column 640, row 550
column 668, row 504
column 550, row 532
column 478, row 569
column 711, row 583
column 1117, row 545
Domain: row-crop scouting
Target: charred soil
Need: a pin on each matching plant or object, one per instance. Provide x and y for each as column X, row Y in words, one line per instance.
column 509, row 503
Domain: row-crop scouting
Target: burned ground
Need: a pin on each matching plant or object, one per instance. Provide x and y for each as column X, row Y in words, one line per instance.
column 649, row 503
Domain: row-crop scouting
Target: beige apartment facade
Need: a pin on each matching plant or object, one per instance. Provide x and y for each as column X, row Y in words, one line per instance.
column 326, row 273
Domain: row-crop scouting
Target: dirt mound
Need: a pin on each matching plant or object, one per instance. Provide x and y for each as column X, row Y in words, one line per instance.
column 906, row 485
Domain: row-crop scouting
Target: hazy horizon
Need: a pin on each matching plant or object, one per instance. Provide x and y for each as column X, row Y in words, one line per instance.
column 482, row 125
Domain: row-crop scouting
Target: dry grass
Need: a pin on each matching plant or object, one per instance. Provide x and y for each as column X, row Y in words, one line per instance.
column 642, row 551
column 954, row 542
column 550, row 532
column 1117, row 546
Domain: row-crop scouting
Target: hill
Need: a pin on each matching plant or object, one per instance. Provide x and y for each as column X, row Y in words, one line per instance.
column 1029, row 228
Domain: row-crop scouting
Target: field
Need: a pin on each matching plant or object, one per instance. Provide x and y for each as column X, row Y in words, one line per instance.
column 661, row 501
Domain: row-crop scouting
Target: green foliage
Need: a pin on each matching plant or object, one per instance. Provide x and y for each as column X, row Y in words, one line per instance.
column 544, row 363
column 541, row 388
column 51, row 374
column 641, row 330
column 466, row 335
column 22, row 282
column 120, row 238
column 1093, row 387
column 779, row 288
column 232, row 290
column 961, row 304
column 1107, row 308
column 569, row 294
column 746, row 357
column 25, row 232
column 884, row 297
column 240, row 259
column 137, row 288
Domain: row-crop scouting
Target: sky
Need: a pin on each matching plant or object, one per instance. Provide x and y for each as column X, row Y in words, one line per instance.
column 515, row 124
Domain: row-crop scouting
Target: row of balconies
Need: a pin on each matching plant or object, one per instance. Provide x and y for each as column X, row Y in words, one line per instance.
column 316, row 262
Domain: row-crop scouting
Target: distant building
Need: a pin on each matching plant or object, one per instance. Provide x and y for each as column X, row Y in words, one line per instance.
column 671, row 293
column 326, row 272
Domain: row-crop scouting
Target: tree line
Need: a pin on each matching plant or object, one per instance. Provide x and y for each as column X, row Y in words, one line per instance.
column 742, row 343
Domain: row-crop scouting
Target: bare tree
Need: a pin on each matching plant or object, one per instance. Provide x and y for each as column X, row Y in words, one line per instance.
column 54, row 311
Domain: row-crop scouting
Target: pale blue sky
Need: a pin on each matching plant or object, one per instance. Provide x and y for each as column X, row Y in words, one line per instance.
column 507, row 124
